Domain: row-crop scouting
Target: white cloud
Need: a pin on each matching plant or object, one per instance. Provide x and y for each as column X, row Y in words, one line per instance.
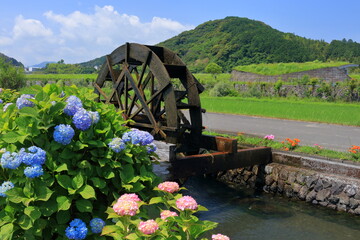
column 79, row 36
column 29, row 28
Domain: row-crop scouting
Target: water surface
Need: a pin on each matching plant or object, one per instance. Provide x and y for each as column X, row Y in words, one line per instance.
column 245, row 214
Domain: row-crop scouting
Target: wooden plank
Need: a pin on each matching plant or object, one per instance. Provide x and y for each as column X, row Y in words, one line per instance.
column 219, row 161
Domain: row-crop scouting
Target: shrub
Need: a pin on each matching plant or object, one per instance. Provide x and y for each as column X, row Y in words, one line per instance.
column 222, row 89
column 59, row 172
column 174, row 218
column 10, row 76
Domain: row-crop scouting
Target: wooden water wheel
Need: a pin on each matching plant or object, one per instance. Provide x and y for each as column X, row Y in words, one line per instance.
column 151, row 86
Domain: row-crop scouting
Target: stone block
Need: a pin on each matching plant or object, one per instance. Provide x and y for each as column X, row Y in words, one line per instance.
column 344, row 198
column 310, row 196
column 323, row 195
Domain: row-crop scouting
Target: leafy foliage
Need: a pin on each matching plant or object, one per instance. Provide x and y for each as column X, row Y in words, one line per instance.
column 11, row 76
column 80, row 179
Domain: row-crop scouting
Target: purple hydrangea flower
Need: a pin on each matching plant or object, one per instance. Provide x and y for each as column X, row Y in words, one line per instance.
column 73, row 105
column 97, row 225
column 23, row 101
column 77, row 230
column 63, row 134
column 82, row 120
column 1, row 101
column 117, row 145
column 33, row 171
column 10, row 160
column 4, row 187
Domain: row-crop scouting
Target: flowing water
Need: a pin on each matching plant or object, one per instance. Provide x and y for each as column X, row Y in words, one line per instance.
column 244, row 214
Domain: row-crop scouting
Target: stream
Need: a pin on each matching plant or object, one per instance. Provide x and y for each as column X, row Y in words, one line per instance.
column 245, row 214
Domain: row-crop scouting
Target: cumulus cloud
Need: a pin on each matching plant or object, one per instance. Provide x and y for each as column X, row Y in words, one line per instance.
column 29, row 28
column 79, row 36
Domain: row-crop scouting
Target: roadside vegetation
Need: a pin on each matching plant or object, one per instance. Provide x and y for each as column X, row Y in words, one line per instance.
column 317, row 149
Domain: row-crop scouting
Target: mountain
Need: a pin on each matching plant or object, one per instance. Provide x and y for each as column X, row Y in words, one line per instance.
column 41, row 65
column 95, row 62
column 235, row 41
column 13, row 61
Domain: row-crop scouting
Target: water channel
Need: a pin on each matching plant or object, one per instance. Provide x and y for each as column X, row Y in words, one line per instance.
column 244, row 214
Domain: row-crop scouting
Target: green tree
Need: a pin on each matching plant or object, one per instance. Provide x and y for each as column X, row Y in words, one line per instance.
column 213, row 68
column 10, row 76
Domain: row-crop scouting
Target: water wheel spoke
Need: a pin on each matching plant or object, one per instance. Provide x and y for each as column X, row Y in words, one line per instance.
column 115, row 86
column 141, row 99
column 160, row 91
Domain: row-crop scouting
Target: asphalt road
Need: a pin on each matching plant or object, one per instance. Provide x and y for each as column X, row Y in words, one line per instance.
column 330, row 136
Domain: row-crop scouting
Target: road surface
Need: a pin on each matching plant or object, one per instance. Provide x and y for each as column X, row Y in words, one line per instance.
column 330, row 136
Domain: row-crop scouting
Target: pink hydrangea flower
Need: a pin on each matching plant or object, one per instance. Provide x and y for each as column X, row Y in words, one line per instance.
column 269, row 137
column 166, row 213
column 219, row 237
column 129, row 197
column 126, row 207
column 148, row 227
column 169, row 187
column 186, row 202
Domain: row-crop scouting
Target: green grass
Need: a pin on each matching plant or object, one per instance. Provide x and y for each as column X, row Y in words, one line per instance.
column 337, row 113
column 283, row 68
column 256, row 141
column 55, row 77
column 355, row 76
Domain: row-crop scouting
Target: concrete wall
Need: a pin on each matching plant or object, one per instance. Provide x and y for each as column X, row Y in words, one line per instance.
column 331, row 74
column 316, row 181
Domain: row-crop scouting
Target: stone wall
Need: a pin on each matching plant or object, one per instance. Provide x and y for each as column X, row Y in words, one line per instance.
column 340, row 191
column 331, row 74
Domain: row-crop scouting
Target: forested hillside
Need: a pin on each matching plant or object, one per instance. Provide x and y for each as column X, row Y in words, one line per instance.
column 10, row 60
column 237, row 41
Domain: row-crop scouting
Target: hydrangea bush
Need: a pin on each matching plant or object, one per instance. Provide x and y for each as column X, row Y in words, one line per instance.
column 64, row 157
column 174, row 219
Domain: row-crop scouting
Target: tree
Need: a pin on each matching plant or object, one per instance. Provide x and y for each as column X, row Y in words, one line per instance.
column 213, row 68
column 11, row 77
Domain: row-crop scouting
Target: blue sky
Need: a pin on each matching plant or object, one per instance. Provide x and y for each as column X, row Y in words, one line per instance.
column 78, row 31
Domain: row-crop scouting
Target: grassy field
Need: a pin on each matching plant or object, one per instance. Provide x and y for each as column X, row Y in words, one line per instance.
column 337, row 113
column 282, row 68
column 56, row 77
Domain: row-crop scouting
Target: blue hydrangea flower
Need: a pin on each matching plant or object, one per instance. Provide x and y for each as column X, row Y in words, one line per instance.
column 23, row 101
column 73, row 105
column 4, row 187
column 77, row 230
column 25, row 157
column 10, row 160
column 38, row 155
column 95, row 117
column 82, row 120
column 146, row 138
column 33, row 171
column 136, row 136
column 151, row 148
column 6, row 106
column 1, row 101
column 117, row 145
column 63, row 134
column 62, row 94
column 97, row 225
